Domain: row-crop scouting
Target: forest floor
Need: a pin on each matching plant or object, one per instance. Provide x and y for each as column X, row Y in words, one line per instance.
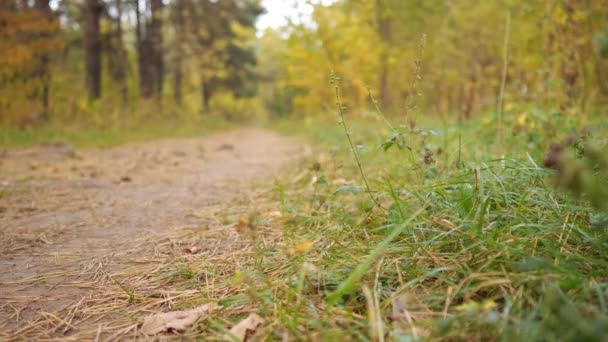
column 398, row 234
column 75, row 225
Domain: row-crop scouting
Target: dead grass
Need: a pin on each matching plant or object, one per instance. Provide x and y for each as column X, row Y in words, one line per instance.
column 152, row 276
column 66, row 292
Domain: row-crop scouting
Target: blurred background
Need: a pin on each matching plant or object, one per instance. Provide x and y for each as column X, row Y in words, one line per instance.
column 122, row 63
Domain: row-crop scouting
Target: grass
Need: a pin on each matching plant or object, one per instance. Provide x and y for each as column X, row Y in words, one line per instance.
column 470, row 246
column 88, row 135
column 468, row 240
column 463, row 245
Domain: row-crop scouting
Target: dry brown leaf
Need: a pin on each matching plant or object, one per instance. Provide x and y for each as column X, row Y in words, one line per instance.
column 245, row 225
column 245, row 328
column 191, row 250
column 175, row 320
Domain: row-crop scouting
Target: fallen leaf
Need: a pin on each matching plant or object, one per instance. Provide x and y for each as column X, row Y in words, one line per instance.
column 475, row 307
column 275, row 213
column 245, row 328
column 338, row 181
column 304, row 246
column 175, row 320
column 310, row 268
column 191, row 250
column 244, row 225
column 400, row 304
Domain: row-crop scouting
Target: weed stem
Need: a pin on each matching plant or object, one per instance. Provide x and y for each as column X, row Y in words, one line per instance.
column 335, row 80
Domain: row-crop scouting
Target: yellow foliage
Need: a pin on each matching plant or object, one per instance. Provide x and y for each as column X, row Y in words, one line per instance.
column 462, row 63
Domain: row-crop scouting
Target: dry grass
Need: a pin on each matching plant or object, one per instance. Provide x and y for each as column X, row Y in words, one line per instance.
column 152, row 276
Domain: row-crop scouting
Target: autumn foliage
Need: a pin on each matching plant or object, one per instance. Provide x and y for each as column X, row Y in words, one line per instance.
column 108, row 60
column 553, row 59
column 28, row 39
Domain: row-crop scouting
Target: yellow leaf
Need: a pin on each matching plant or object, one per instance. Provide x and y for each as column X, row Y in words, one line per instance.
column 304, row 246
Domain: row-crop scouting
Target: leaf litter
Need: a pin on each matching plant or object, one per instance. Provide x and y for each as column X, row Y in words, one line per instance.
column 135, row 235
column 175, row 320
column 245, row 328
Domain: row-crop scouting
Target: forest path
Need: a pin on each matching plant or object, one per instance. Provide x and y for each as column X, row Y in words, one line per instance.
column 68, row 219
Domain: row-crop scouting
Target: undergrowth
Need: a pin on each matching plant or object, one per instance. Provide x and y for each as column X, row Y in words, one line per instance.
column 104, row 127
column 453, row 237
column 461, row 238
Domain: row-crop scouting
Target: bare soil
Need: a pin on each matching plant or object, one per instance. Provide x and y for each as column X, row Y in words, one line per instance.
column 69, row 218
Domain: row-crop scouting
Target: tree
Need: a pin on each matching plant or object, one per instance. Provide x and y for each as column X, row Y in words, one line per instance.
column 220, row 30
column 28, row 40
column 180, row 42
column 120, row 62
column 93, row 47
column 156, row 44
column 42, row 72
column 238, row 73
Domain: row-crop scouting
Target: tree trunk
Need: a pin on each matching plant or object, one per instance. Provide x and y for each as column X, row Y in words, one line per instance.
column 122, row 57
column 92, row 47
column 178, row 19
column 141, row 63
column 206, row 94
column 469, row 101
column 42, row 6
column 156, row 37
column 144, row 52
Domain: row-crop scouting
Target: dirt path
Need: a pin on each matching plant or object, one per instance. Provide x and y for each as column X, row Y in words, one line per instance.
column 66, row 216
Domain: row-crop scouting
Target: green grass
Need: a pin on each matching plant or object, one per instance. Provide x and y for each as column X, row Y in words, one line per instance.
column 87, row 135
column 476, row 245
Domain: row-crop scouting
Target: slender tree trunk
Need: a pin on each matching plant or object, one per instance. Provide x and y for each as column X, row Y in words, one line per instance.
column 179, row 23
column 156, row 36
column 206, row 94
column 122, row 57
column 144, row 52
column 42, row 6
column 92, row 46
column 139, row 37
column 469, row 101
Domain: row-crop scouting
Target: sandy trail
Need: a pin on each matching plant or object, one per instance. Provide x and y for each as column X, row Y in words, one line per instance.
column 66, row 216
